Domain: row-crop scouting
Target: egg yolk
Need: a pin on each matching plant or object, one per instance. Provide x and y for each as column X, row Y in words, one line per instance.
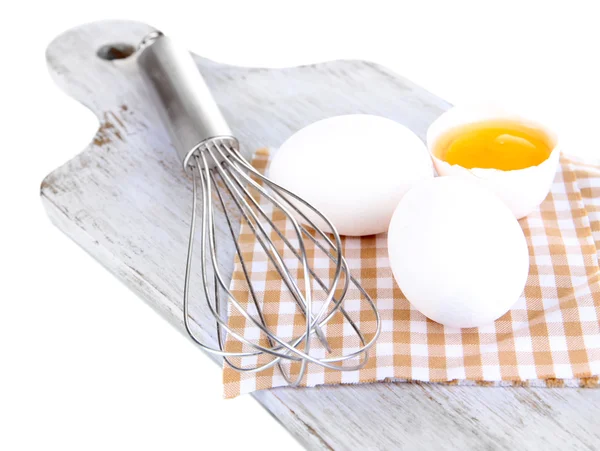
column 503, row 145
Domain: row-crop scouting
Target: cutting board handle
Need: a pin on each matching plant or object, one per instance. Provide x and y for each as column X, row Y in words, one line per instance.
column 93, row 58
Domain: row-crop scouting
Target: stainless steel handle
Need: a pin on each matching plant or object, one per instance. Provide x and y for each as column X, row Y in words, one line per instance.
column 186, row 104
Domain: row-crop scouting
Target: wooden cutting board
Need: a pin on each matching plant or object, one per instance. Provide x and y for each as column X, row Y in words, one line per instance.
column 126, row 201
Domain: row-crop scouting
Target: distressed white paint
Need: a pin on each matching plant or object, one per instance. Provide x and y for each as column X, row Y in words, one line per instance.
column 126, row 201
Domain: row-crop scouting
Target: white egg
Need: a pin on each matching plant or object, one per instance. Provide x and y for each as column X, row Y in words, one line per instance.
column 353, row 168
column 457, row 252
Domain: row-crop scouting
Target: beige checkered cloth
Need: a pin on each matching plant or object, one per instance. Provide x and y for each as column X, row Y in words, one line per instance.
column 551, row 337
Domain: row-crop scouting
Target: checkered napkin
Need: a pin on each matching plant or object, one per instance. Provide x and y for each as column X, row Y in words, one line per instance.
column 551, row 337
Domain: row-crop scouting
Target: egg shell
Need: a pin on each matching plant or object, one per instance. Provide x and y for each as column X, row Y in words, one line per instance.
column 523, row 190
column 353, row 168
column 457, row 252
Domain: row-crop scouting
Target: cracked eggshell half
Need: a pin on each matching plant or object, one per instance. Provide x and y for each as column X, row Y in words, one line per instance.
column 522, row 190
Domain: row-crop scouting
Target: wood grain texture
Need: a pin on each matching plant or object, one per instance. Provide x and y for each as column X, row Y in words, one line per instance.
column 126, row 201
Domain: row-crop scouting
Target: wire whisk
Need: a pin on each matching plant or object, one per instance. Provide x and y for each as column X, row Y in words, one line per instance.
column 226, row 190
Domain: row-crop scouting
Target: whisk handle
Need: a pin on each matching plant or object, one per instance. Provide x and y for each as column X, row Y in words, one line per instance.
column 185, row 102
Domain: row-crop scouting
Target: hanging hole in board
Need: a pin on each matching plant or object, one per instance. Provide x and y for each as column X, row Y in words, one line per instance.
column 117, row 51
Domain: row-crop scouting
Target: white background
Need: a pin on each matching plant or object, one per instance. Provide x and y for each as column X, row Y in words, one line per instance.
column 130, row 380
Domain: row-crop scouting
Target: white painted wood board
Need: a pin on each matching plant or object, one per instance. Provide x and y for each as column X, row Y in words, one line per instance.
column 126, row 201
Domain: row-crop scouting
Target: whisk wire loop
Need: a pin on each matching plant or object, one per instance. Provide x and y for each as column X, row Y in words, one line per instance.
column 229, row 174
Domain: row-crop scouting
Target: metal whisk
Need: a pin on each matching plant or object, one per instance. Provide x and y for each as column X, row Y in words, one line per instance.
column 228, row 186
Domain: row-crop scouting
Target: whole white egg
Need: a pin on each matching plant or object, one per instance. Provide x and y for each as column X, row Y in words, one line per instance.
column 457, row 252
column 354, row 169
